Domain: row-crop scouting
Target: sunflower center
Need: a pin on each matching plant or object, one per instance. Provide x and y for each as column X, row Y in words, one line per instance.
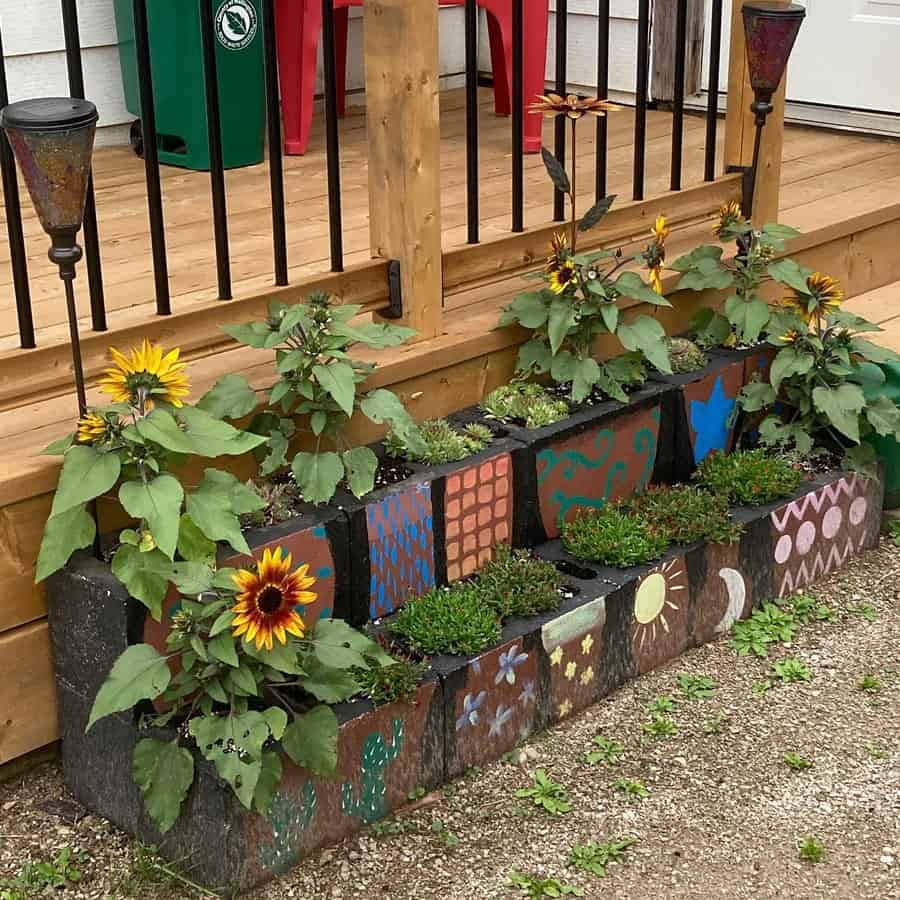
column 269, row 600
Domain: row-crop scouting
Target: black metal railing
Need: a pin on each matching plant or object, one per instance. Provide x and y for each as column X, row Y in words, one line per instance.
column 150, row 143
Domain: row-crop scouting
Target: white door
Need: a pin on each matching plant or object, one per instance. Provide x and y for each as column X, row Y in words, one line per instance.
column 845, row 68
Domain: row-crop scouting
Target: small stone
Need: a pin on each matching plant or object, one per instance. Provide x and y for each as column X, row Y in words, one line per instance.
column 887, row 859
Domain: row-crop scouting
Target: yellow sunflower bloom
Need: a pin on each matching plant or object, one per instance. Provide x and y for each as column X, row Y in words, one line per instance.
column 823, row 296
column 562, row 276
column 660, row 231
column 91, row 429
column 730, row 213
column 790, row 337
column 656, row 279
column 147, row 374
column 268, row 595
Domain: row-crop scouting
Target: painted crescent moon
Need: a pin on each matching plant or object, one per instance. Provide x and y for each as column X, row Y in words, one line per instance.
column 737, row 597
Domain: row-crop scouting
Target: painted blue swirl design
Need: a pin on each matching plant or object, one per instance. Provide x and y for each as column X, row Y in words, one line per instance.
column 573, row 459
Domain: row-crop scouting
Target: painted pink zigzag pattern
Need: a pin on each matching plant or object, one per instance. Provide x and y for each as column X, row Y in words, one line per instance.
column 816, row 499
column 819, row 566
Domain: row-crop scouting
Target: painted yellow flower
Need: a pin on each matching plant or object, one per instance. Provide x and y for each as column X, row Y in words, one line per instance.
column 562, row 277
column 587, row 676
column 822, row 297
column 91, row 429
column 586, row 643
column 730, row 213
column 565, row 708
column 571, row 106
column 146, row 375
column 268, row 595
column 571, row 669
column 556, row 657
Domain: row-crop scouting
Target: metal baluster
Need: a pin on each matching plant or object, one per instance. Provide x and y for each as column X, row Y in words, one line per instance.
column 276, row 168
column 518, row 118
column 602, row 139
column 678, row 95
column 216, row 164
column 471, row 22
column 562, row 21
column 332, row 146
column 712, row 99
column 91, row 237
column 640, row 100
column 151, row 160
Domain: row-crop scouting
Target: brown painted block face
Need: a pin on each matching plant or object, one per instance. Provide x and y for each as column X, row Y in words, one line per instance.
column 598, row 465
column 574, row 645
column 478, row 514
column 818, row 532
column 709, row 404
column 496, row 707
column 661, row 615
column 380, row 760
column 724, row 594
column 309, row 546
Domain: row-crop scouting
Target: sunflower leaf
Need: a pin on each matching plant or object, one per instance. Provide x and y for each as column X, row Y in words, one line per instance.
column 360, row 463
column 158, row 503
column 230, row 398
column 647, row 336
column 222, row 649
column 217, row 504
column 317, row 475
column 339, row 380
column 630, row 284
column 267, row 784
column 791, row 273
column 145, row 575
column 327, row 684
column 562, row 317
column 164, row 772
column 63, row 535
column 140, row 673
column 86, row 473
column 311, row 740
column 193, row 544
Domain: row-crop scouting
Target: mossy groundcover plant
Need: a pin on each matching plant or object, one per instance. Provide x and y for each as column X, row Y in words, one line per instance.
column 749, row 477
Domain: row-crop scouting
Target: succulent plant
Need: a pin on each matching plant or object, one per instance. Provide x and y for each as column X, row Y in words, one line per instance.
column 686, row 356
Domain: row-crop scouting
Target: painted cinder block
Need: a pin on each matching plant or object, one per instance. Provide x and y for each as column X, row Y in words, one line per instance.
column 705, row 411
column 440, row 524
column 599, row 453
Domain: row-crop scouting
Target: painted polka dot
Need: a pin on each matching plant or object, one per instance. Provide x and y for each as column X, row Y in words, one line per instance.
column 806, row 536
column 831, row 522
column 783, row 549
column 858, row 509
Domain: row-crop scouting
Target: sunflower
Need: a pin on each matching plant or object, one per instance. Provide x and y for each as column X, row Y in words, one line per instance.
column 655, row 254
column 660, row 231
column 791, row 336
column 91, row 429
column 823, row 296
column 268, row 595
column 148, row 374
column 570, row 106
column 730, row 214
column 562, row 276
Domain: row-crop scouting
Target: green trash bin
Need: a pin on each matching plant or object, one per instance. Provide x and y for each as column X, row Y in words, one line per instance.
column 887, row 448
column 176, row 57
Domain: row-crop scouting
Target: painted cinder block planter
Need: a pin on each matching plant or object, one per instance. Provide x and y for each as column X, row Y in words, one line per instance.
column 384, row 753
column 440, row 524
column 599, row 453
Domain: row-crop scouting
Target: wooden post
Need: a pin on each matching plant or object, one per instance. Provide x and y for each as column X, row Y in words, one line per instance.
column 663, row 81
column 740, row 128
column 403, row 118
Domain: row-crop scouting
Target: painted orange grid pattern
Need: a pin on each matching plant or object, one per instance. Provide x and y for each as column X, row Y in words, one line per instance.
column 478, row 514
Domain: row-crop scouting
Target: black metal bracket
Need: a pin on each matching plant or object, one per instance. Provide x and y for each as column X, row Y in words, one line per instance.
column 395, row 291
column 746, row 188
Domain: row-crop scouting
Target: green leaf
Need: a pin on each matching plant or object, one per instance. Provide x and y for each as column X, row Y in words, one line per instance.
column 556, row 171
column 327, row 684
column 192, row 577
column 164, row 772
column 140, row 673
column 86, row 473
column 339, row 380
column 193, row 544
column 222, row 648
column 756, row 396
column 317, row 475
column 217, row 739
column 223, row 622
column 862, row 459
column 360, row 464
column 841, row 406
column 267, row 783
column 707, row 273
column 311, row 740
column 851, row 321
column 596, row 213
column 786, row 271
column 749, row 317
column 534, row 354
column 212, row 437
column 158, row 502
column 585, row 375
column 630, row 284
column 709, row 327
column 562, row 368
column 63, row 535
column 883, row 416
column 145, row 575
column 529, row 310
column 252, row 334
column 230, row 398
column 609, row 312
column 378, row 335
column 562, row 317
column 647, row 336
column 789, row 362
column 691, row 260
column 58, row 447
column 780, row 232
column 218, row 503
column 872, row 352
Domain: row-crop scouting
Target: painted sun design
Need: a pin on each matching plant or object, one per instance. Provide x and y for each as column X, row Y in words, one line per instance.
column 656, row 600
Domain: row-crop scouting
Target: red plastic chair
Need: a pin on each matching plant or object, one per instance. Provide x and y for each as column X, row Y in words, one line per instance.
column 302, row 19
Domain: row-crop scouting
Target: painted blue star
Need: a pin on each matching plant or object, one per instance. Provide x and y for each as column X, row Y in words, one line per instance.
column 711, row 421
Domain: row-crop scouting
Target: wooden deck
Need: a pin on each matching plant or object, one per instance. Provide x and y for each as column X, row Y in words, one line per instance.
column 824, row 176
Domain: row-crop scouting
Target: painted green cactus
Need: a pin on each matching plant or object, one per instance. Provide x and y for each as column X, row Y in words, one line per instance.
column 289, row 815
column 375, row 757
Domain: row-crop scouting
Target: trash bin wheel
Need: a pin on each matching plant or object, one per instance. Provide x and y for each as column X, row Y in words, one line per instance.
column 136, row 137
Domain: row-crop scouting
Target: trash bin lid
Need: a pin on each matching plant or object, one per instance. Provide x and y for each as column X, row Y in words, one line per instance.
column 49, row 114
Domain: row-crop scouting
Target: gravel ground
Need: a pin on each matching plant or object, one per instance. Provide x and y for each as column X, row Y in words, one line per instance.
column 723, row 818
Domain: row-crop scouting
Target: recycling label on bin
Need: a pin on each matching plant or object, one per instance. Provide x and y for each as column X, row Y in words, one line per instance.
column 236, row 23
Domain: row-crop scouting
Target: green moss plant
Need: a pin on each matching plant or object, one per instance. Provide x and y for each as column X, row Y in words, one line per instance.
column 748, row 477
column 613, row 537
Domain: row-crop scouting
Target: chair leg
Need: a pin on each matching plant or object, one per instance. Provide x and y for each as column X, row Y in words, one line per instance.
column 534, row 53
column 501, row 63
column 289, row 25
column 341, row 27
